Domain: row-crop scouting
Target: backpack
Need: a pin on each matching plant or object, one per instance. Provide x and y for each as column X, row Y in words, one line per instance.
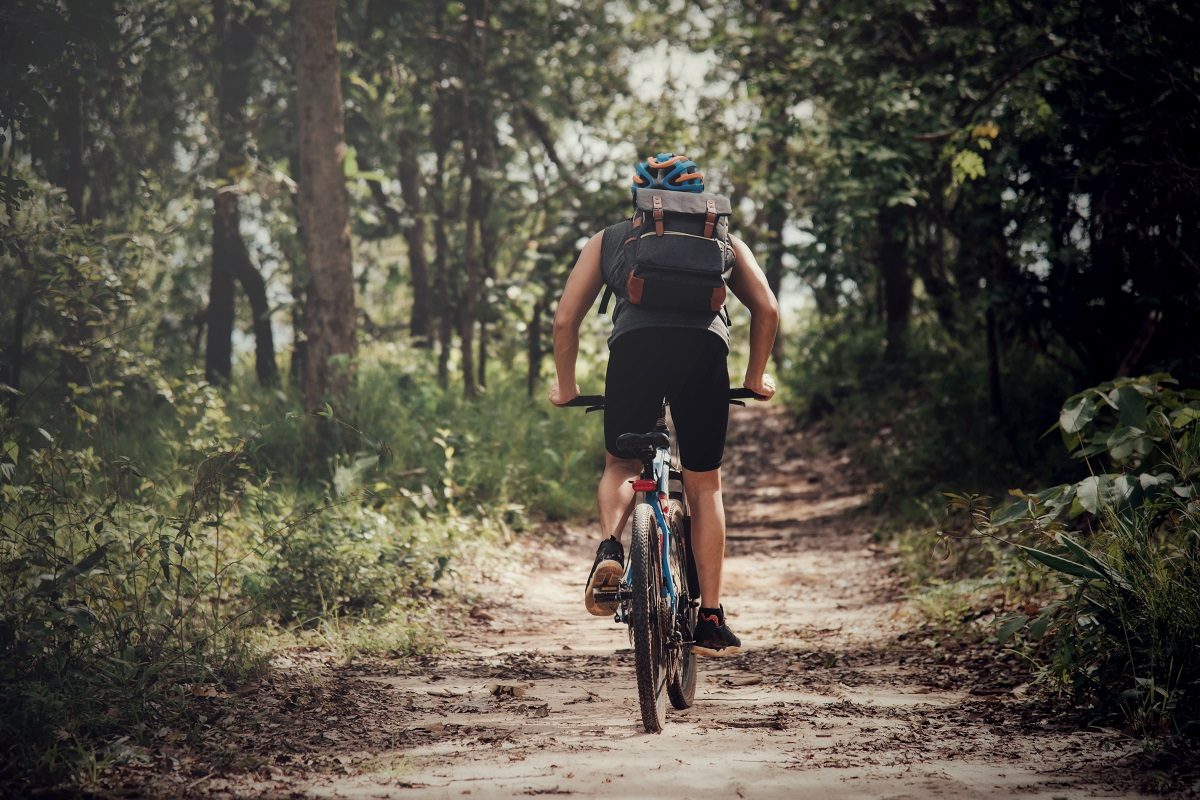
column 678, row 254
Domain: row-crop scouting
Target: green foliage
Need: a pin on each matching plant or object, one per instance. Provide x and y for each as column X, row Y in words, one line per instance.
column 1137, row 426
column 925, row 424
column 1122, row 636
column 353, row 560
column 504, row 454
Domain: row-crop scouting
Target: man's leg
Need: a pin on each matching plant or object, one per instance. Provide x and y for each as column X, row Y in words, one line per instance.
column 708, row 531
column 615, row 494
column 616, row 500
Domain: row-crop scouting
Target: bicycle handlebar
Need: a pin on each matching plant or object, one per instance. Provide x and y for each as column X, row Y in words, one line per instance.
column 585, row 400
column 595, row 402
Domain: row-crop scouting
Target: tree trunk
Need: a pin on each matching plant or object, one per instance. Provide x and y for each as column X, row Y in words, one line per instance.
column 995, row 391
column 776, row 219
column 474, row 59
column 329, row 312
column 72, row 130
column 299, row 276
column 534, row 347
column 421, row 322
column 230, row 258
column 488, row 239
column 897, row 282
column 218, row 347
column 441, row 240
column 14, row 353
column 264, row 338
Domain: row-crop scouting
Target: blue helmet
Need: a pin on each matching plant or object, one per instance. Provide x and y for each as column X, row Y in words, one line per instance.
column 672, row 171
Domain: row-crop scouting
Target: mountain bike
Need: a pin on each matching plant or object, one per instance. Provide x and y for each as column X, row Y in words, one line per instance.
column 659, row 595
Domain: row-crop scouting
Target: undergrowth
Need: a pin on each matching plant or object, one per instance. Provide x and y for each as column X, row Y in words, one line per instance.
column 159, row 534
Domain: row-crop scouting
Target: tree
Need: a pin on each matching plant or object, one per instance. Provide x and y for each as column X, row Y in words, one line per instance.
column 329, row 311
column 236, row 36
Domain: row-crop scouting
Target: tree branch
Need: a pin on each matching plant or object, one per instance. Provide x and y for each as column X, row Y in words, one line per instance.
column 964, row 116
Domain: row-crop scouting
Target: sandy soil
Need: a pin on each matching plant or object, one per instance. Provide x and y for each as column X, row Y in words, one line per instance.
column 834, row 695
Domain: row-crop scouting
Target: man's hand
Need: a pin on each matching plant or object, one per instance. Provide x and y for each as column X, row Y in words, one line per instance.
column 763, row 385
column 561, row 395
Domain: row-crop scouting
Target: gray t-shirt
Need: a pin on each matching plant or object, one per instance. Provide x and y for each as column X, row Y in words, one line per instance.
column 628, row 317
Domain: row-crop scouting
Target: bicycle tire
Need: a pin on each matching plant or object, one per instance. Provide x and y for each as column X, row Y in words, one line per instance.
column 645, row 628
column 681, row 686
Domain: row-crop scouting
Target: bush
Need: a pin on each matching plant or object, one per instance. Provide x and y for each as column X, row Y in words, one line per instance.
column 505, row 451
column 349, row 559
column 925, row 424
column 1124, row 636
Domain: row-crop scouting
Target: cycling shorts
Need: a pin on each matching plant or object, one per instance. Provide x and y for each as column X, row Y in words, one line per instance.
column 689, row 367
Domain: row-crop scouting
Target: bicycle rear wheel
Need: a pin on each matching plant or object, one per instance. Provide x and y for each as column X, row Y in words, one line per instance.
column 681, row 687
column 645, row 628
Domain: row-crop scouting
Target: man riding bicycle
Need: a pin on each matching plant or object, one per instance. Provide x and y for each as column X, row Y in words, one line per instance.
column 690, row 370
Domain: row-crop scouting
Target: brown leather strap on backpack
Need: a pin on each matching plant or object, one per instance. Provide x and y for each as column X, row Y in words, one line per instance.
column 658, row 215
column 717, row 301
column 634, row 288
column 710, row 219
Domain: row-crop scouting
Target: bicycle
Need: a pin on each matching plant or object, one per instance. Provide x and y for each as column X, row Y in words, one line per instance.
column 659, row 595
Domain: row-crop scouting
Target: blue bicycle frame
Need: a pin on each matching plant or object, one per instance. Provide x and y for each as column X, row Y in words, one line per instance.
column 655, row 497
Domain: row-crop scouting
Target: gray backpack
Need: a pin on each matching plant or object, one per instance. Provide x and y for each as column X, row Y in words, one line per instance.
column 677, row 255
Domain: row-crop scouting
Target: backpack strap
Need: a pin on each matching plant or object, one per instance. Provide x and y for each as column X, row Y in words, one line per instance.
column 608, row 293
column 658, row 215
column 710, row 218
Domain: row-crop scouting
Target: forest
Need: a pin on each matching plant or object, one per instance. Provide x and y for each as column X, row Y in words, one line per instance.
column 277, row 284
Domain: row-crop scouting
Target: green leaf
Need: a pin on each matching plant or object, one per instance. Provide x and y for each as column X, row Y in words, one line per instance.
column 1087, row 557
column 1008, row 626
column 1125, row 442
column 1090, row 492
column 1077, row 413
column 1038, row 627
column 1130, row 406
column 350, row 163
column 83, row 617
column 1057, row 498
column 1010, row 513
column 1060, row 564
column 1185, row 416
column 83, row 565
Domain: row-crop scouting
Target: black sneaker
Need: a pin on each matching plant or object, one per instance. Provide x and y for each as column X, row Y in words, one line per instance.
column 712, row 636
column 606, row 576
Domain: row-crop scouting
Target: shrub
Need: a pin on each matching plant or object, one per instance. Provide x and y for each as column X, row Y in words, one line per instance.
column 350, row 559
column 924, row 424
column 1124, row 636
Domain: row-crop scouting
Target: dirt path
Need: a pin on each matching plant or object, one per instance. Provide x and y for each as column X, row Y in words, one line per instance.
column 832, row 697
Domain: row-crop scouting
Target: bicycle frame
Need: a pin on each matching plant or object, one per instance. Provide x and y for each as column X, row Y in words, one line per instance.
column 653, row 488
column 658, row 470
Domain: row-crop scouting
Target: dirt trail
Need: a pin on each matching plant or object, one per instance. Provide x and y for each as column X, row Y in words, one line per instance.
column 834, row 696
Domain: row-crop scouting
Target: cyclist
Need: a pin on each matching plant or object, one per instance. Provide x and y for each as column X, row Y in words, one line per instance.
column 657, row 353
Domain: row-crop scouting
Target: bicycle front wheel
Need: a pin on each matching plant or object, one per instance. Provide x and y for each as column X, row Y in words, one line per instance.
column 681, row 685
column 645, row 628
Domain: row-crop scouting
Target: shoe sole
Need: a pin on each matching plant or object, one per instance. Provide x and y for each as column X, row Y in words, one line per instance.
column 720, row 652
column 605, row 578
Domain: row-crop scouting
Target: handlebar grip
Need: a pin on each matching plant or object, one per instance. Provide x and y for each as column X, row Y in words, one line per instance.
column 744, row 394
column 585, row 400
column 595, row 402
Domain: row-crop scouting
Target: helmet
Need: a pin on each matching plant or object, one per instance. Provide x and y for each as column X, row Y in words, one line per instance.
column 668, row 171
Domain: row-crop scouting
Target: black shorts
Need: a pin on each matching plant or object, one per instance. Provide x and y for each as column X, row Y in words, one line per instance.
column 688, row 366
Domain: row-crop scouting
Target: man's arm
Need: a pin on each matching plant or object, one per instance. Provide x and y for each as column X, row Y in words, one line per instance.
column 749, row 285
column 583, row 284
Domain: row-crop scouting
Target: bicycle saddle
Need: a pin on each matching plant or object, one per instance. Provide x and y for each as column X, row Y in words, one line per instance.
column 636, row 444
